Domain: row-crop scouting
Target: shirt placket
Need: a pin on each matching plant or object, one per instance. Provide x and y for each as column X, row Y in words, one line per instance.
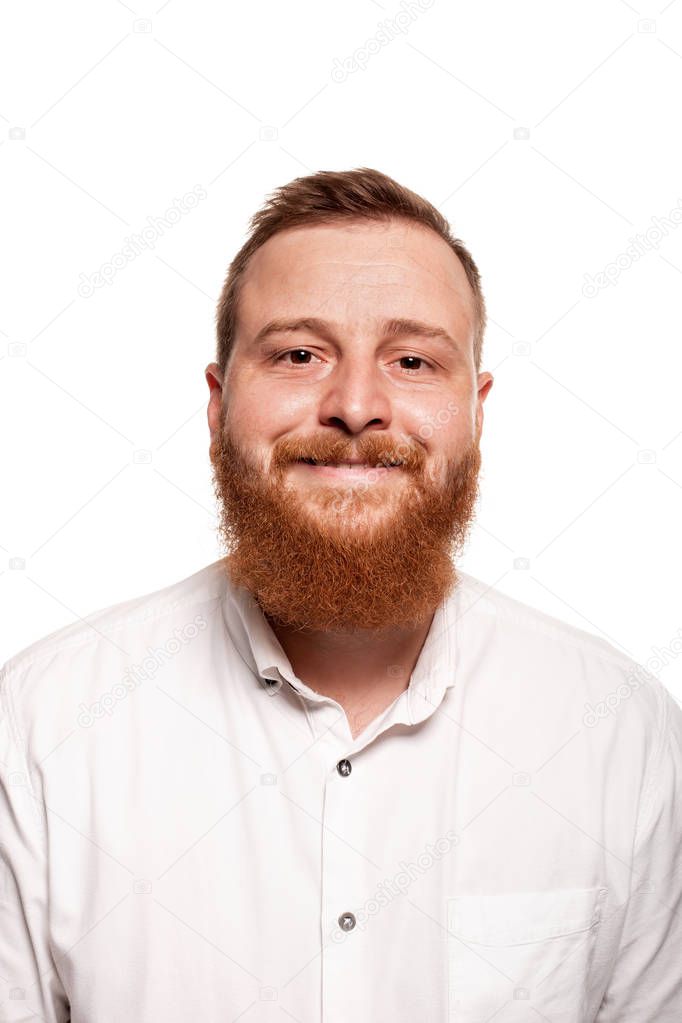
column 346, row 867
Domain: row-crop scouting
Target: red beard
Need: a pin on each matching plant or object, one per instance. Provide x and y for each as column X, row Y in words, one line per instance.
column 340, row 556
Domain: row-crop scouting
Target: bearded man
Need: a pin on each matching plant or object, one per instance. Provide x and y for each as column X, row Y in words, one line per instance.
column 359, row 784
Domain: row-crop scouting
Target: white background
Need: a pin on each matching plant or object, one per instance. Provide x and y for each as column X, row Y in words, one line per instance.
column 111, row 111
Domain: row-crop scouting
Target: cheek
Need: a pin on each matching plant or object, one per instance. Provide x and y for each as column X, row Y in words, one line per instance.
column 252, row 411
column 258, row 413
column 439, row 423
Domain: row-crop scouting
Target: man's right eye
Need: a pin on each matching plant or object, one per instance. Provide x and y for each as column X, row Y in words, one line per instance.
column 278, row 356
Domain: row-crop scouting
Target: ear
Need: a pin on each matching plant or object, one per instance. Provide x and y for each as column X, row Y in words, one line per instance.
column 214, row 379
column 485, row 382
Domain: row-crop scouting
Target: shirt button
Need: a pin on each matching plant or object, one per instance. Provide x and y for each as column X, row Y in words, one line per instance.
column 346, row 921
column 344, row 768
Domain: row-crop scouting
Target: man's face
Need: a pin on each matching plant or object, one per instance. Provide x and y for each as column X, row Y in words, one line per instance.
column 349, row 376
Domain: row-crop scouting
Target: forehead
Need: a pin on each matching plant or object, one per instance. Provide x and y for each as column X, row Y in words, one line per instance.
column 354, row 272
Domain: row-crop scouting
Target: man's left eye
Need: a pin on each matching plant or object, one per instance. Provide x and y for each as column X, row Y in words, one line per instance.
column 412, row 359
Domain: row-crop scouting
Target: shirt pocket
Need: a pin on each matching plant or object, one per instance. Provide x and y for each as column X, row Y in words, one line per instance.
column 514, row 953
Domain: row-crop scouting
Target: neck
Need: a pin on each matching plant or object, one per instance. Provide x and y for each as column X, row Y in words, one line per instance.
column 363, row 670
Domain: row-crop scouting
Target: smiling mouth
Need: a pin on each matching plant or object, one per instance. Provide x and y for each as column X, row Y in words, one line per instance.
column 350, row 464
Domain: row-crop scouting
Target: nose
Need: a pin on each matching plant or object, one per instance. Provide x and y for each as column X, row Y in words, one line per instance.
column 355, row 396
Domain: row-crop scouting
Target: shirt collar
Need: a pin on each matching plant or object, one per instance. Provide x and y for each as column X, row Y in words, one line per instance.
column 434, row 672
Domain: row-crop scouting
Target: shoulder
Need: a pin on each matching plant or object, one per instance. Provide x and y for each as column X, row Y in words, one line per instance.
column 488, row 605
column 112, row 638
column 539, row 656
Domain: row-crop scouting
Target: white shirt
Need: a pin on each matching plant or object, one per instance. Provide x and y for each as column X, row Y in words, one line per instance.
column 182, row 841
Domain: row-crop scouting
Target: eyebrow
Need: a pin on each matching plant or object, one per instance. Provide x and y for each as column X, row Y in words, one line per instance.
column 393, row 328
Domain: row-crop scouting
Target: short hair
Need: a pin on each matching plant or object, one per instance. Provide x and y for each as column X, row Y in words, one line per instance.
column 328, row 197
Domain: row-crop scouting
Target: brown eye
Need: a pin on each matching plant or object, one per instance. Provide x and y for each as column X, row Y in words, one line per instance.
column 300, row 351
column 294, row 352
column 411, row 359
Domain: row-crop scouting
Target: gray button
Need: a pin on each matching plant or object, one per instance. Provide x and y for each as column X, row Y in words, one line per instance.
column 344, row 768
column 346, row 921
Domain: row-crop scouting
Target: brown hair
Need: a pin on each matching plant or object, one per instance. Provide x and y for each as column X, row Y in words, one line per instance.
column 327, row 197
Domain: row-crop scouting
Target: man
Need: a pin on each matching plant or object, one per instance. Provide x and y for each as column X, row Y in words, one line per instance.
column 329, row 777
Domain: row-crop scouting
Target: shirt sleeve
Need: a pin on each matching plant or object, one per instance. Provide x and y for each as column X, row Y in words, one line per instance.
column 30, row 988
column 646, row 983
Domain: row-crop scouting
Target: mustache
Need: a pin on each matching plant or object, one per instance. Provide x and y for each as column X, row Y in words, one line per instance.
column 370, row 450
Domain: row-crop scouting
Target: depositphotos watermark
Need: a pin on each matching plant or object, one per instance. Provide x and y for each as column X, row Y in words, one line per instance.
column 639, row 246
column 389, row 889
column 637, row 676
column 389, row 28
column 137, row 243
column 138, row 673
